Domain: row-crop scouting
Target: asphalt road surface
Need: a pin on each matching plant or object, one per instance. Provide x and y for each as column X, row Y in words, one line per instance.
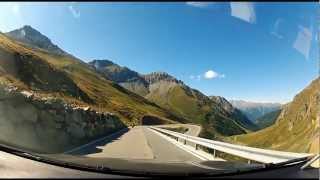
column 138, row 143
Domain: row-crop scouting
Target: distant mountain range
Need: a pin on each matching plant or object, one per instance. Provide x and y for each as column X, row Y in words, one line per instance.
column 173, row 95
column 255, row 110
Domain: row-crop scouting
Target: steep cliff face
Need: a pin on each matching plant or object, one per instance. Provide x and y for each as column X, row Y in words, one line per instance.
column 49, row 125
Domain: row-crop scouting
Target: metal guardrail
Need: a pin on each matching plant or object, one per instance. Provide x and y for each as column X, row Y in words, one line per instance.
column 250, row 153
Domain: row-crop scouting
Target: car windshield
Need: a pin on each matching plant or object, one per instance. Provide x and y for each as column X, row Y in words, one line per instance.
column 205, row 87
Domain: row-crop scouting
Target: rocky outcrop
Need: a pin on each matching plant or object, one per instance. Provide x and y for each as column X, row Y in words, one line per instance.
column 49, row 125
column 155, row 77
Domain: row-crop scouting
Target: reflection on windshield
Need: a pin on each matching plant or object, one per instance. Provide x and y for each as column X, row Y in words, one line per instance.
column 224, row 85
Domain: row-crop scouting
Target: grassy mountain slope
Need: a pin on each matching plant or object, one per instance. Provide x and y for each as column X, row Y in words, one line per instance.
column 268, row 119
column 65, row 77
column 296, row 129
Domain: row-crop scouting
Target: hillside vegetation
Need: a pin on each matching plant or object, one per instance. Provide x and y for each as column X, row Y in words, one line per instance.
column 268, row 119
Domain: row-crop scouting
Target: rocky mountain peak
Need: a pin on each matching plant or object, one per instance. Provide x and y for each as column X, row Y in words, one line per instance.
column 31, row 36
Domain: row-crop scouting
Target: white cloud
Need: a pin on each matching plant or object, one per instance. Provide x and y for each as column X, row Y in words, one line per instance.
column 210, row 74
column 244, row 11
column 198, row 77
column 199, row 4
column 303, row 41
column 191, row 77
column 74, row 12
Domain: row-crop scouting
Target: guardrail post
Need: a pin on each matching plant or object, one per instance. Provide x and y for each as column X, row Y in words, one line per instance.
column 185, row 142
column 214, row 153
column 249, row 161
column 196, row 146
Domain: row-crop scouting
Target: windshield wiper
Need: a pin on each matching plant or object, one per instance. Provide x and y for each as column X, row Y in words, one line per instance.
column 289, row 162
column 310, row 162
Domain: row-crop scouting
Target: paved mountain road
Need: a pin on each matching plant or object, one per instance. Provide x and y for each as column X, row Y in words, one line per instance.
column 138, row 143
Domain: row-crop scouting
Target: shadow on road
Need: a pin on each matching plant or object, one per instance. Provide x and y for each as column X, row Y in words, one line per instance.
column 94, row 148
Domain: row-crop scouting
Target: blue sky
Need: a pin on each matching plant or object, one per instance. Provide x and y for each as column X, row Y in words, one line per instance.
column 250, row 51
